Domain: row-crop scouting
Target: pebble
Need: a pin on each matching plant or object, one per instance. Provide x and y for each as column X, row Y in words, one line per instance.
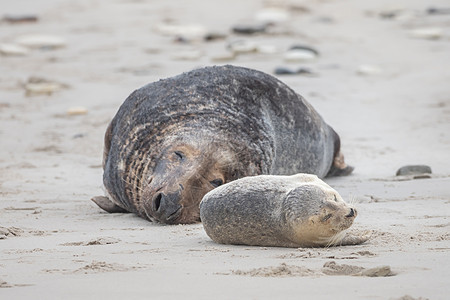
column 249, row 28
column 240, row 47
column 76, row 111
column 225, row 56
column 267, row 49
column 184, row 32
column 430, row 33
column 367, row 70
column 272, row 15
column 299, row 55
column 13, row 50
column 289, row 71
column 39, row 86
column 399, row 15
column 20, row 19
column 305, row 48
column 413, row 170
column 41, row 41
column 214, row 36
column 438, row 11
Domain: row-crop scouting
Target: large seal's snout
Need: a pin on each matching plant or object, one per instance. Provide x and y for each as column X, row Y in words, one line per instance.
column 166, row 208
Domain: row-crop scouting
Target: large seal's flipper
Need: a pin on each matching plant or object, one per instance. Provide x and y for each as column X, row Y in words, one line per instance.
column 339, row 167
column 107, row 205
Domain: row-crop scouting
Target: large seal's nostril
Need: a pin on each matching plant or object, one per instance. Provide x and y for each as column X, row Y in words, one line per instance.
column 166, row 207
column 157, row 201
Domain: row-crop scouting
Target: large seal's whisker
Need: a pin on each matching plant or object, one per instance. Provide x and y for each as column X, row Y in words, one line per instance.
column 133, row 184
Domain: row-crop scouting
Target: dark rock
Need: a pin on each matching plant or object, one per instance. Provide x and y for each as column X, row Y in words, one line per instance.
column 289, row 71
column 284, row 71
column 214, row 36
column 414, row 170
column 20, row 19
column 249, row 29
column 438, row 11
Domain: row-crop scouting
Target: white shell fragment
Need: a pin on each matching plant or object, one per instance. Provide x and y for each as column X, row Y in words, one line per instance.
column 39, row 86
column 272, row 15
column 77, row 110
column 41, row 41
column 368, row 70
column 13, row 50
column 299, row 55
column 432, row 33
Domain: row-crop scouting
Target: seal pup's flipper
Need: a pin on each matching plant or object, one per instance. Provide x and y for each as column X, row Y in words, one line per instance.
column 352, row 239
column 107, row 205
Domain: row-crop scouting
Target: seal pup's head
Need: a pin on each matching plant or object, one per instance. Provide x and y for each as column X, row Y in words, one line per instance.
column 184, row 172
column 317, row 214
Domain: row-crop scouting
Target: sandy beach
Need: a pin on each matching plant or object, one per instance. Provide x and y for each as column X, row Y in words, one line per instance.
column 379, row 76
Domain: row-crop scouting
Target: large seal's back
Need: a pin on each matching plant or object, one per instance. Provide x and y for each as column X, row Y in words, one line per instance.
column 174, row 140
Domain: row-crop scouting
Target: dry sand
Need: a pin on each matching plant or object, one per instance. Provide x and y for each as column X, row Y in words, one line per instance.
column 56, row 244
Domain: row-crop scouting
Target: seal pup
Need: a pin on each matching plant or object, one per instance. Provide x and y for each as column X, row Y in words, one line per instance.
column 174, row 140
column 284, row 211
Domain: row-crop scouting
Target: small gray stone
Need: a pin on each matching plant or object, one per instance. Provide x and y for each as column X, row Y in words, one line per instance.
column 284, row 71
column 413, row 170
column 14, row 19
column 249, row 29
column 214, row 36
column 289, row 71
column 438, row 11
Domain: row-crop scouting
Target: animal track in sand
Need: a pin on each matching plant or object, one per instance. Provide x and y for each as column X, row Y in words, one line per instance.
column 94, row 242
column 329, row 268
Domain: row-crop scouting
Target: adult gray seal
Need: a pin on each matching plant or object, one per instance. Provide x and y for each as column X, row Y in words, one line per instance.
column 285, row 211
column 174, row 140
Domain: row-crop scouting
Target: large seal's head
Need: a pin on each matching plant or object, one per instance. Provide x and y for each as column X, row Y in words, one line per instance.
column 317, row 214
column 183, row 173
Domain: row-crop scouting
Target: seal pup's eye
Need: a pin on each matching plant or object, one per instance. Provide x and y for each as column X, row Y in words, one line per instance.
column 335, row 199
column 326, row 217
column 180, row 155
column 216, row 182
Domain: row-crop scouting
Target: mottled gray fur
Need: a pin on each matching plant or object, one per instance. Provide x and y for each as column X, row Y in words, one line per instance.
column 268, row 127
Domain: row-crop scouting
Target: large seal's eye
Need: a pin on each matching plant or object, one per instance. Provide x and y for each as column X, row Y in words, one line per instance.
column 216, row 182
column 179, row 155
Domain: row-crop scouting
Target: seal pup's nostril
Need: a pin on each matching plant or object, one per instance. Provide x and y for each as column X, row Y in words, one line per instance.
column 351, row 214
